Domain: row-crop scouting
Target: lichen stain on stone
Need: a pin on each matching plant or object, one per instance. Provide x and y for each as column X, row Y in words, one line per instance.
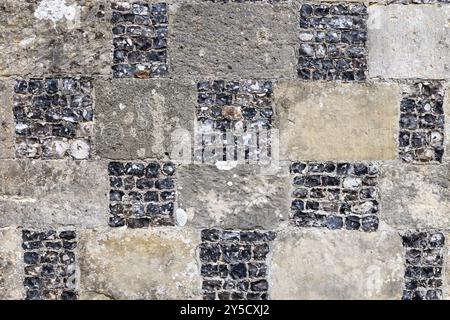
column 56, row 10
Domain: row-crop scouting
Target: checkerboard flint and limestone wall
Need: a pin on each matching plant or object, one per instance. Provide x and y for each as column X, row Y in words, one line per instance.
column 195, row 149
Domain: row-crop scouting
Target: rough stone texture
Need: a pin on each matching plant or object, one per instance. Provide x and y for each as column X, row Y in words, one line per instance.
column 446, row 289
column 314, row 121
column 55, row 36
column 6, row 120
column 52, row 193
column 318, row 264
column 233, row 40
column 139, row 264
column 415, row 196
column 140, row 124
column 236, row 198
column 410, row 41
column 11, row 265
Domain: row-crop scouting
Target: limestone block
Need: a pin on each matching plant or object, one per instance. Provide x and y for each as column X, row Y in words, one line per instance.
column 6, row 120
column 320, row 264
column 53, row 193
column 55, row 36
column 136, row 119
column 11, row 264
column 410, row 41
column 238, row 198
column 415, row 196
column 337, row 121
column 233, row 40
column 139, row 264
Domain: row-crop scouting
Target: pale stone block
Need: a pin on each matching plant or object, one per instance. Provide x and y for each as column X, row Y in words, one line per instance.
column 410, row 41
column 42, row 194
column 320, row 264
column 238, row 198
column 415, row 196
column 337, row 121
column 137, row 119
column 139, row 264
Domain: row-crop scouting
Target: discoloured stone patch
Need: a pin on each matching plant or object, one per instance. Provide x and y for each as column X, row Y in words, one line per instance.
column 337, row 121
column 317, row 264
column 140, row 124
column 235, row 198
column 139, row 264
column 233, row 40
column 11, row 265
column 415, row 196
column 53, row 193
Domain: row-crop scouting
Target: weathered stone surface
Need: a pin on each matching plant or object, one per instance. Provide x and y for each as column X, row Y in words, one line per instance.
column 446, row 291
column 318, row 264
column 11, row 266
column 409, row 41
column 55, row 36
column 337, row 121
column 415, row 196
column 6, row 120
column 53, row 193
column 136, row 119
column 233, row 40
column 235, row 198
column 139, row 264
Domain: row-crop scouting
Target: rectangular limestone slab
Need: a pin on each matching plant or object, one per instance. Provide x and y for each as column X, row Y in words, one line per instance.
column 233, row 40
column 139, row 264
column 6, row 120
column 337, row 121
column 137, row 119
column 415, row 196
column 342, row 265
column 55, row 36
column 234, row 198
column 411, row 41
column 53, row 193
column 11, row 264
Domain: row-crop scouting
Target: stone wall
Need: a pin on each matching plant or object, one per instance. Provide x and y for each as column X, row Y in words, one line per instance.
column 194, row 149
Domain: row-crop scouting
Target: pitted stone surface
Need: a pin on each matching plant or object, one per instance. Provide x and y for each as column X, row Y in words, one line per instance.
column 59, row 37
column 139, row 264
column 424, row 257
column 238, row 198
column 335, row 195
column 333, row 41
column 422, row 121
column 142, row 194
column 233, row 41
column 411, row 41
column 50, row 264
column 53, row 118
column 314, row 121
column 45, row 193
column 415, row 196
column 140, row 39
column 319, row 264
column 136, row 119
column 234, row 264
column 234, row 119
column 11, row 264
